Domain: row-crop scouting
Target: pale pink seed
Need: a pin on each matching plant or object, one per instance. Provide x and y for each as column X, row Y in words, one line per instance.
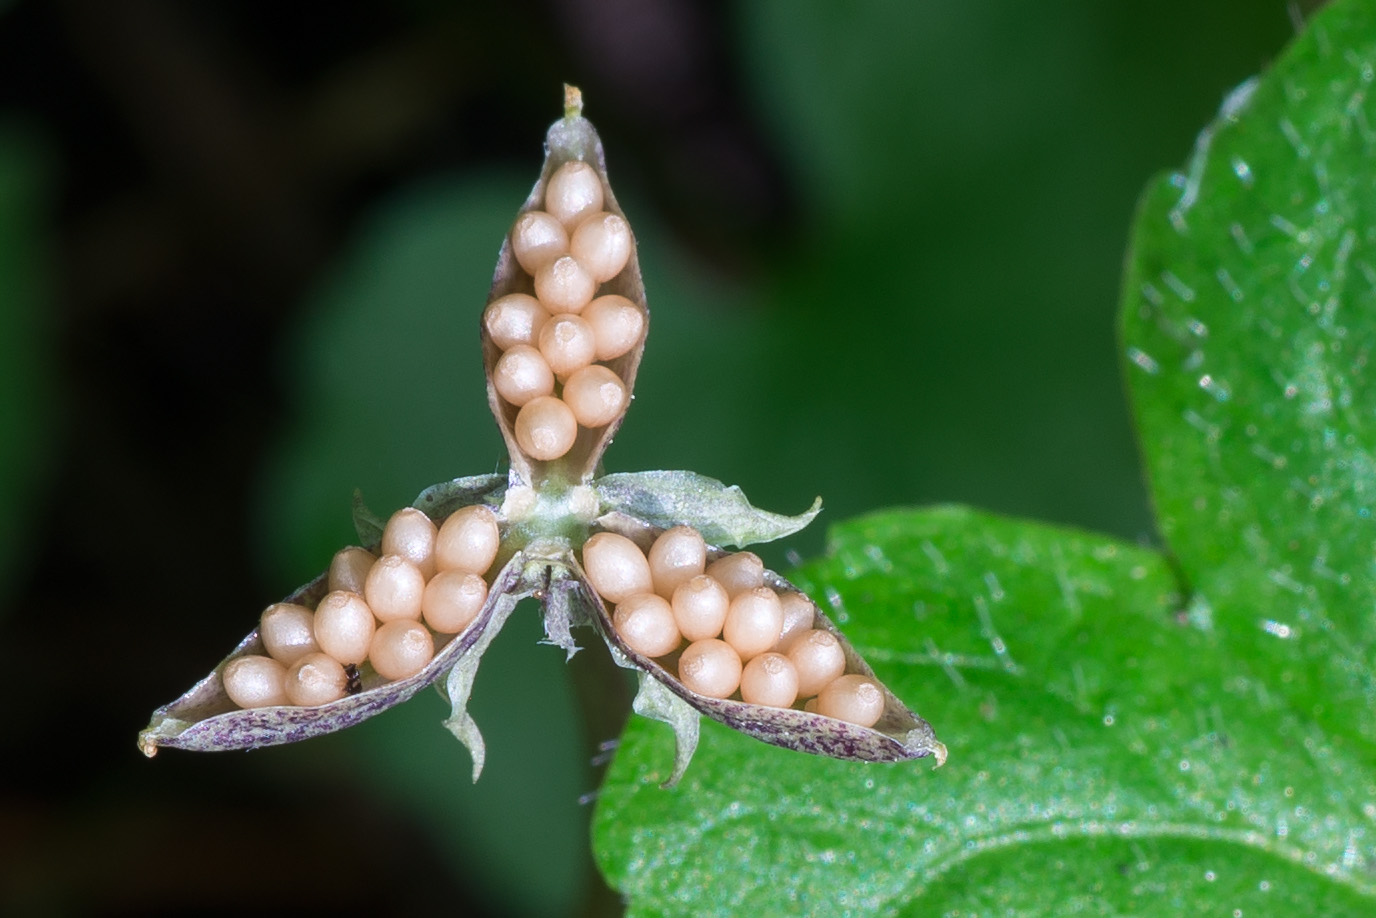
column 677, row 556
column 522, row 374
column 567, row 344
column 596, row 396
column 411, row 534
column 537, row 238
column 770, row 679
column 700, row 606
column 349, row 569
column 452, row 600
column 753, row 622
column 856, row 699
column 288, row 632
column 255, row 681
column 738, row 572
column 316, row 679
column 344, row 626
column 646, row 623
column 574, row 192
column 617, row 325
column 546, row 428
column 394, row 588
column 468, row 540
column 819, row 658
column 602, row 244
column 799, row 616
column 616, row 567
column 564, row 285
column 514, row 319
column 400, row 649
column 710, row 667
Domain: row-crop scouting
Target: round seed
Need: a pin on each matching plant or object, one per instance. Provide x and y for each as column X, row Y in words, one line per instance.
column 452, row 600
column 617, row 325
column 646, row 623
column 316, row 678
column 596, row 396
column 255, row 681
column 854, row 698
column 737, row 573
column 602, row 245
column 514, row 319
column 546, row 428
column 616, row 567
column 678, row 555
column 538, row 238
column 567, row 344
column 411, row 534
column 819, row 658
column 468, row 540
column 799, row 615
column 521, row 374
column 711, row 668
column 574, row 191
column 344, row 626
column 394, row 588
column 564, row 285
column 753, row 622
column 349, row 568
column 400, row 649
column 770, row 679
column 700, row 605
column 288, row 632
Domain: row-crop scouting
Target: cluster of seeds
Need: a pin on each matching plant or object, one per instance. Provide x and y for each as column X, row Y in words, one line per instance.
column 388, row 612
column 725, row 632
column 554, row 345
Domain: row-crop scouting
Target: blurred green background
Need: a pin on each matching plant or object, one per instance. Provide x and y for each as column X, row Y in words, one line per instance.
column 243, row 250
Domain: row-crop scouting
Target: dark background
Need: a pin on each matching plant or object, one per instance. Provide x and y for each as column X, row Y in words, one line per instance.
column 243, row 248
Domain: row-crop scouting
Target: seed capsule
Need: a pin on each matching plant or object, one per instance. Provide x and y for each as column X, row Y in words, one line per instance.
column 288, row 632
column 400, row 649
column 537, row 238
column 819, row 658
column 711, row 668
column 770, row 679
column 646, row 623
column 394, row 588
column 677, row 556
column 255, row 681
column 316, row 679
column 344, row 626
column 617, row 325
column 452, row 600
column 616, row 567
column 854, row 698
column 468, row 540
column 567, row 344
column 573, row 192
column 564, row 285
column 602, row 245
column 522, row 374
column 700, row 606
column 596, row 396
column 514, row 319
column 411, row 534
column 546, row 428
column 753, row 622
column 737, row 573
column 799, row 615
column 349, row 569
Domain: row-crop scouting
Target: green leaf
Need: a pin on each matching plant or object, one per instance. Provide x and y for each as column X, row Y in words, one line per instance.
column 1089, row 726
column 1250, row 320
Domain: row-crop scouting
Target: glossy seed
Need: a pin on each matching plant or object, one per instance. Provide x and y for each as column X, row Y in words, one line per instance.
column 468, row 540
column 452, row 600
column 854, row 698
column 617, row 325
column 753, row 621
column 574, row 191
column 564, row 286
column 616, row 567
column 546, row 428
column 596, row 396
column 288, row 632
column 538, row 238
column 602, row 245
column 700, row 606
column 411, row 534
column 738, row 572
column 315, row 679
column 567, row 344
column 522, row 374
column 394, row 588
column 799, row 616
column 514, row 319
column 677, row 556
column 400, row 649
column 646, row 623
column 349, row 569
column 344, row 626
column 770, row 679
column 819, row 658
column 710, row 667
column 255, row 681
